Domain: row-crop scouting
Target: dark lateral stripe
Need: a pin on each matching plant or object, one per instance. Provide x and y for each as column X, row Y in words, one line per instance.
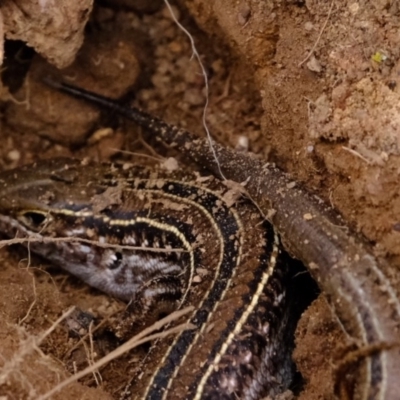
column 228, row 227
column 253, row 285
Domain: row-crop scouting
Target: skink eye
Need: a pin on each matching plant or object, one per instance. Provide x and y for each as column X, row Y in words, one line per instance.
column 116, row 260
column 34, row 220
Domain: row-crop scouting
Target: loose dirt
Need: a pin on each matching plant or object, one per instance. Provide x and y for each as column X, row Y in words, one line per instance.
column 309, row 85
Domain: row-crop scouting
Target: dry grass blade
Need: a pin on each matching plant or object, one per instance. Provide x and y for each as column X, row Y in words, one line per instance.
column 144, row 336
column 41, row 239
column 26, row 348
column 204, row 73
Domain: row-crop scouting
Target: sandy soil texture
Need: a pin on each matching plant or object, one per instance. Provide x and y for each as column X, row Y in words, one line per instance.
column 309, row 85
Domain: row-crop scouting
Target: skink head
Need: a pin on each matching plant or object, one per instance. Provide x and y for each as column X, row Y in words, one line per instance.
column 64, row 199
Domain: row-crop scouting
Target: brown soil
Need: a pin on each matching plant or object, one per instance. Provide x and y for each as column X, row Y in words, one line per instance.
column 312, row 85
